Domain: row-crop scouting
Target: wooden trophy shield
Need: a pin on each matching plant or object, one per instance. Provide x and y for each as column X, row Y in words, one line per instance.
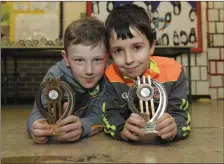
column 54, row 111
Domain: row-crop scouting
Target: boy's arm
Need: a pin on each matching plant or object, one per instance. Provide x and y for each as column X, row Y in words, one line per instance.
column 35, row 114
column 113, row 116
column 92, row 122
column 178, row 107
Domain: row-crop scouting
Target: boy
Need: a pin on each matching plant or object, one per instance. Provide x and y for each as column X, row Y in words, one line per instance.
column 82, row 67
column 131, row 43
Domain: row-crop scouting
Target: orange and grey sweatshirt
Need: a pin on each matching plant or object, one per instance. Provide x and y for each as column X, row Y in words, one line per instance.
column 166, row 71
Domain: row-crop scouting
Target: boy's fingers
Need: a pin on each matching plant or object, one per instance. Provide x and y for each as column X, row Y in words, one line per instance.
column 40, row 140
column 169, row 135
column 40, row 132
column 73, row 139
column 69, row 127
column 65, row 105
column 135, row 121
column 40, row 124
column 135, row 115
column 163, row 117
column 135, row 130
column 167, row 129
column 70, row 136
column 68, row 120
column 164, row 123
column 130, row 135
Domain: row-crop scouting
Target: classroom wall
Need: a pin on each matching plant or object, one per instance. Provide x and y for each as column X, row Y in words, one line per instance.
column 32, row 71
column 207, row 67
column 216, row 49
column 72, row 12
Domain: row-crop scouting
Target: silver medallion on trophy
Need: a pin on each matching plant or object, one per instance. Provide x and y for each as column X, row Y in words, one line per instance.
column 148, row 98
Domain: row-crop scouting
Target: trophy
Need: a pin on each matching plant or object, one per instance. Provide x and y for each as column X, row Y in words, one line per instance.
column 53, row 91
column 150, row 97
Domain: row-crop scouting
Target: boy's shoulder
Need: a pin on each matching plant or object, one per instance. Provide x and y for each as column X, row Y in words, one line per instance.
column 112, row 73
column 159, row 61
column 166, row 62
column 57, row 70
column 169, row 69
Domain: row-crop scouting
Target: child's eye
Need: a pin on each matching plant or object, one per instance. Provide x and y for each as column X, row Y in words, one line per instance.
column 136, row 48
column 78, row 60
column 98, row 60
column 118, row 51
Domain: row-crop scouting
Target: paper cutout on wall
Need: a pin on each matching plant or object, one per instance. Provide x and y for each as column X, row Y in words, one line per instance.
column 176, row 23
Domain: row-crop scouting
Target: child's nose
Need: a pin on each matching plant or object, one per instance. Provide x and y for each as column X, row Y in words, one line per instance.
column 89, row 70
column 129, row 59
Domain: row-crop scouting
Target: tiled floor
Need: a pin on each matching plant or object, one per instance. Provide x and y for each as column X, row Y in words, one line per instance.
column 205, row 144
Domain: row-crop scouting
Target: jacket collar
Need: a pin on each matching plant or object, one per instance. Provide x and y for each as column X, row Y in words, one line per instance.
column 153, row 71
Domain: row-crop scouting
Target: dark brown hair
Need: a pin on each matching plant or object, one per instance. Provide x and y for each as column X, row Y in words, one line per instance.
column 123, row 17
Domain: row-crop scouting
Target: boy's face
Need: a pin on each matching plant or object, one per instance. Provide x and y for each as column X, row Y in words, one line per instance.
column 87, row 63
column 131, row 55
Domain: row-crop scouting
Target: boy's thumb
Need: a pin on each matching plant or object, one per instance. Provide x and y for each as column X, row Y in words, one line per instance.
column 65, row 105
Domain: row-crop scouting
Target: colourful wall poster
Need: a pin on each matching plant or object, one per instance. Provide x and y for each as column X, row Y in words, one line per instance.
column 5, row 19
column 177, row 23
column 31, row 20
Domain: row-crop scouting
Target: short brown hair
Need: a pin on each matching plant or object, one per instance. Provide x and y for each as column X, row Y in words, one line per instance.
column 88, row 31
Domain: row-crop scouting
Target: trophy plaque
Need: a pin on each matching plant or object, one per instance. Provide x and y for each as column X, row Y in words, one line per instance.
column 148, row 98
column 53, row 91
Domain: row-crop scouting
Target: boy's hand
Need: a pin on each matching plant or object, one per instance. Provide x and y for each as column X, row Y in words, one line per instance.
column 132, row 129
column 166, row 127
column 40, row 131
column 72, row 127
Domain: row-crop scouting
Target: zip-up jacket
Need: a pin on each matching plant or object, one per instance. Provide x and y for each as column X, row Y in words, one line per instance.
column 88, row 102
column 166, row 71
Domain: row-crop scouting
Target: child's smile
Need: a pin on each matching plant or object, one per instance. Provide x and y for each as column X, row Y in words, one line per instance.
column 131, row 55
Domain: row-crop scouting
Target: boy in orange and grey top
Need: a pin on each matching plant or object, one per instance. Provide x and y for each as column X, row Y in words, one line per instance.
column 131, row 43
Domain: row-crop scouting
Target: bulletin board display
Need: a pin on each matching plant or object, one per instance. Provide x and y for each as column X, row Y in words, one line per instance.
column 30, row 20
column 177, row 23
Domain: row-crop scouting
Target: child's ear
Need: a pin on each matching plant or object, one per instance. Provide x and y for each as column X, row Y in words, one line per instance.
column 65, row 56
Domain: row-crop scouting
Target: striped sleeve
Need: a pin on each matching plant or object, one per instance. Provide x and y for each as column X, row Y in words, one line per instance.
column 178, row 107
column 112, row 114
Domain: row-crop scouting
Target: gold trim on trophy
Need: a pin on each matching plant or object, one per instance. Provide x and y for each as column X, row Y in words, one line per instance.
column 54, row 111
